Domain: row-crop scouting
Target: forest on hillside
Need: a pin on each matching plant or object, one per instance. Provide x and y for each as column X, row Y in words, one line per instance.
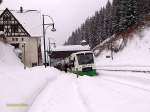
column 115, row 18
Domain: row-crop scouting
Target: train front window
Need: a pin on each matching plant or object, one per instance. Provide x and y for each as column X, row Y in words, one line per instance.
column 86, row 58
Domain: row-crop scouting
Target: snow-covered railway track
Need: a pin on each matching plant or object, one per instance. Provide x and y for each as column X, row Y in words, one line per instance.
column 127, row 84
column 83, row 98
column 130, row 79
column 41, row 89
column 139, row 71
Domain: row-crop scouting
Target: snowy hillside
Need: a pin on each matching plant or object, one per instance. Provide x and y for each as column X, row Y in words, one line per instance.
column 136, row 53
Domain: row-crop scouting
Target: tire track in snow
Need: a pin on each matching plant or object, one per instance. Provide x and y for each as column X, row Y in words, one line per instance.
column 82, row 97
column 41, row 89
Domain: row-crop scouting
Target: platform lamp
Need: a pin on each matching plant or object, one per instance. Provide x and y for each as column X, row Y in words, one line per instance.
column 44, row 32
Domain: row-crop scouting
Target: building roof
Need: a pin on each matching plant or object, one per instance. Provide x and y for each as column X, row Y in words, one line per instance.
column 65, row 51
column 31, row 20
column 71, row 48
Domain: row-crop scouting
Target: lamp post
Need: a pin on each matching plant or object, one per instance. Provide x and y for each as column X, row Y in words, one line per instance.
column 44, row 32
column 24, row 45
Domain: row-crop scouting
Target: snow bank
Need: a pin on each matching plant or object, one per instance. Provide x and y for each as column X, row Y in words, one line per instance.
column 19, row 88
column 8, row 56
column 136, row 53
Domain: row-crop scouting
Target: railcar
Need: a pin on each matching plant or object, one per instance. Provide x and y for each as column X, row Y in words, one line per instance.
column 81, row 63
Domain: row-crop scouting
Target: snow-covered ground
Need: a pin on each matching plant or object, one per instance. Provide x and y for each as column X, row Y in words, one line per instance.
column 109, row 92
column 42, row 89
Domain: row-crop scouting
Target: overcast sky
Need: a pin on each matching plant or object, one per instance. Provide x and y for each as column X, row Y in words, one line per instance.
column 67, row 14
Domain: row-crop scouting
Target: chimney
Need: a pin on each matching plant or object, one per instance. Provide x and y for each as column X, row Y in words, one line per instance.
column 21, row 9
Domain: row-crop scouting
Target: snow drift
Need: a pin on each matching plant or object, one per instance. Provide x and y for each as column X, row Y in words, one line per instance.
column 19, row 87
column 8, row 56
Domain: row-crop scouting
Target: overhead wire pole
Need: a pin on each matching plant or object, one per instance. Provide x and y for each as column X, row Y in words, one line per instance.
column 49, row 51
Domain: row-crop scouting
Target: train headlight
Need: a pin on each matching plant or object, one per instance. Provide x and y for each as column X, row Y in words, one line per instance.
column 94, row 67
column 80, row 68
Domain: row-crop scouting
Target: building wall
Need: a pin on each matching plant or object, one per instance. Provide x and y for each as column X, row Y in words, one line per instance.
column 30, row 52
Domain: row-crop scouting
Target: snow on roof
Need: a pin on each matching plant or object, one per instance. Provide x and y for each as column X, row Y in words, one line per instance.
column 82, row 52
column 31, row 20
column 71, row 48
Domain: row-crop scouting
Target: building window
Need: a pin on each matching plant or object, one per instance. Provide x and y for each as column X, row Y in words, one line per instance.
column 15, row 45
column 7, row 18
column 16, row 39
column 34, row 64
column 13, row 39
column 14, row 28
column 22, row 39
column 1, row 27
